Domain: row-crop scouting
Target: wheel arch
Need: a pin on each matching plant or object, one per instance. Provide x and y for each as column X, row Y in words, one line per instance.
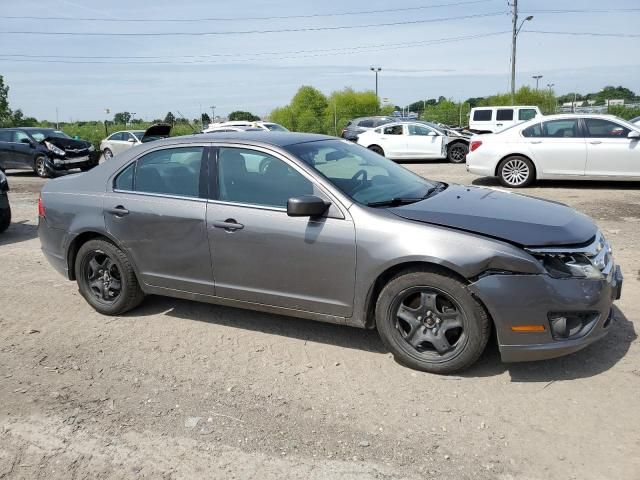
column 82, row 238
column 535, row 167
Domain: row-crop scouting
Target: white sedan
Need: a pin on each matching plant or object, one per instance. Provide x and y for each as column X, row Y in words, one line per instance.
column 405, row 141
column 566, row 147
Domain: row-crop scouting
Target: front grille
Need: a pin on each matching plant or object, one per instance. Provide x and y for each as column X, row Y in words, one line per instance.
column 76, row 152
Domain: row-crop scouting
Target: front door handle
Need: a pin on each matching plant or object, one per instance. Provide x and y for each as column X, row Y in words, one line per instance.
column 229, row 225
column 595, row 142
column 535, row 142
column 118, row 211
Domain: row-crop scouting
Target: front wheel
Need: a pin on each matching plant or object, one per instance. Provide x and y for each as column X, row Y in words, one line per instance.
column 376, row 149
column 106, row 278
column 431, row 322
column 516, row 172
column 40, row 167
column 107, row 154
column 457, row 153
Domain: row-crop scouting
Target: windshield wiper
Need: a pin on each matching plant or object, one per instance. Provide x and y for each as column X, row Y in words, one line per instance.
column 394, row 202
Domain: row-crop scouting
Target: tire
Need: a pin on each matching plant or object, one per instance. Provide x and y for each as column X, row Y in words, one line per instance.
column 100, row 266
column 5, row 219
column 431, row 322
column 107, row 154
column 40, row 167
column 457, row 152
column 376, row 149
column 516, row 172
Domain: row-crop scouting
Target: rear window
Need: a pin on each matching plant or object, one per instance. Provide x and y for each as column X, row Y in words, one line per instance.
column 366, row 124
column 482, row 115
column 504, row 114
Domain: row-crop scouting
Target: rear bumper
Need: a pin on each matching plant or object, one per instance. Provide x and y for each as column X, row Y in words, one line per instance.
column 52, row 241
column 518, row 300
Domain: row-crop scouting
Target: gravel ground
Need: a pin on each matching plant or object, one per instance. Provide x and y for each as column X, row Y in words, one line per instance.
column 177, row 389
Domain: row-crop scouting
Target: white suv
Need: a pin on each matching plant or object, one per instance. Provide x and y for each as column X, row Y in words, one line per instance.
column 269, row 126
column 494, row 119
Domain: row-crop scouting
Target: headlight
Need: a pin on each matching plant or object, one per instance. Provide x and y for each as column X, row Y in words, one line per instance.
column 569, row 266
column 54, row 149
column 92, row 148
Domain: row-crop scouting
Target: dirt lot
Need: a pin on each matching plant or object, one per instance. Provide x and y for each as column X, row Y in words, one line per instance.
column 184, row 390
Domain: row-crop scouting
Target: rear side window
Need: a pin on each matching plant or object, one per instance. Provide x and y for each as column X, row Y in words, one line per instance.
column 381, row 121
column 171, row 171
column 560, row 129
column 5, row 136
column 525, row 114
column 533, row 131
column 599, row 128
column 393, row 130
column 482, row 115
column 366, row 124
column 504, row 114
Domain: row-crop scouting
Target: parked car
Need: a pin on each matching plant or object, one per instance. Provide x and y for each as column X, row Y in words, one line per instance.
column 494, row 119
column 267, row 126
column 567, row 147
column 44, row 150
column 457, row 141
column 331, row 231
column 406, row 141
column 360, row 125
column 120, row 141
column 5, row 208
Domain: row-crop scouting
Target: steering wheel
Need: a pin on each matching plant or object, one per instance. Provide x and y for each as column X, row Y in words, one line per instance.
column 364, row 177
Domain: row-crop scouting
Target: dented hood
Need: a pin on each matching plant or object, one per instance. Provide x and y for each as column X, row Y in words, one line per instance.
column 67, row 143
column 518, row 219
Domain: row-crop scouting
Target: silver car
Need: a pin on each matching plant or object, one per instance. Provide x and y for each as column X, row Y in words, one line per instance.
column 317, row 227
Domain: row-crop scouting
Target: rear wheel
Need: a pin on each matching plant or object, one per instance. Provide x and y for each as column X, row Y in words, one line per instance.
column 5, row 219
column 457, row 152
column 40, row 167
column 377, row 149
column 106, row 278
column 516, row 172
column 431, row 322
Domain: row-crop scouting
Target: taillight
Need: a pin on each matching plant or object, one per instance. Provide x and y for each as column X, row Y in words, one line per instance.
column 41, row 210
column 475, row 145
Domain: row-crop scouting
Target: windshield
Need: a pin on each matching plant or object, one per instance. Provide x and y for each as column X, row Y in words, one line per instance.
column 364, row 176
column 274, row 127
column 39, row 135
column 138, row 134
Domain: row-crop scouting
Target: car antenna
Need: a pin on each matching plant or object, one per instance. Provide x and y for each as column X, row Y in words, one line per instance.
column 188, row 122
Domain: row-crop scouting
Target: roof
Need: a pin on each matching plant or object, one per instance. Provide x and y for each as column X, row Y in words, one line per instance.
column 278, row 139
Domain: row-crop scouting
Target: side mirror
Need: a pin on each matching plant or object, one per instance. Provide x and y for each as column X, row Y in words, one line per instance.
column 634, row 134
column 306, row 206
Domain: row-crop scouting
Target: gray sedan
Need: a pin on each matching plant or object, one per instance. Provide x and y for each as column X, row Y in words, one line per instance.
column 316, row 227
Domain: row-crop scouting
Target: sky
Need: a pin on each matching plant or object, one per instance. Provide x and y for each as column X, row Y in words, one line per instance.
column 455, row 48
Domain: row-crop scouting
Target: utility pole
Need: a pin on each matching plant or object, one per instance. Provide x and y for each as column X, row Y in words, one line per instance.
column 376, row 70
column 514, row 41
column 537, row 79
column 213, row 113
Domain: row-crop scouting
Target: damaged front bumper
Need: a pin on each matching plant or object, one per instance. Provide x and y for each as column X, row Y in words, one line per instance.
column 58, row 163
column 569, row 313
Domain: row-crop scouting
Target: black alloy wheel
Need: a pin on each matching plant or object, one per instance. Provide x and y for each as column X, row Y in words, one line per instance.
column 458, row 152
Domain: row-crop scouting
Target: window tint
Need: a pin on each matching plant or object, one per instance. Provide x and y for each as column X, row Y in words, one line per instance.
column 482, row 115
column 124, row 181
column 605, row 129
column 561, row 128
column 533, row 131
column 525, row 114
column 504, row 114
column 116, row 136
column 172, row 171
column 366, row 123
column 250, row 176
column 381, row 121
column 393, row 130
column 418, row 130
column 6, row 136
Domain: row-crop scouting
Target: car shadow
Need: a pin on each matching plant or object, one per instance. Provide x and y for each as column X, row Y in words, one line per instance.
column 595, row 359
column 18, row 232
column 309, row 330
column 593, row 184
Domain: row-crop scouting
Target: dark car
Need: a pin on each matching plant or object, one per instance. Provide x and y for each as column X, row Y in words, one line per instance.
column 44, row 150
column 331, row 231
column 362, row 124
column 5, row 209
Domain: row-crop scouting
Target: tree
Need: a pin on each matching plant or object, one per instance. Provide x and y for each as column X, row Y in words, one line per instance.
column 205, row 119
column 5, row 111
column 544, row 99
column 170, row 118
column 344, row 105
column 240, row 115
column 121, row 118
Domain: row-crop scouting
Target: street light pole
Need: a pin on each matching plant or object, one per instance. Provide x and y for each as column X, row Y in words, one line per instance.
column 514, row 41
column 537, row 78
column 553, row 106
column 376, row 70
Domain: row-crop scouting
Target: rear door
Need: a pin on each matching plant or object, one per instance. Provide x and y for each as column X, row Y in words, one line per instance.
column 157, row 209
column 6, row 137
column 22, row 151
column 557, row 147
column 504, row 118
column 394, row 141
column 609, row 151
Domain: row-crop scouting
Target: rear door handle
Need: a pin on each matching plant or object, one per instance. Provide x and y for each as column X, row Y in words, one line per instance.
column 595, row 142
column 118, row 211
column 230, row 225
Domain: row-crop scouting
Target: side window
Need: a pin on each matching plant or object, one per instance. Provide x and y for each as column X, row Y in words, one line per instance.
column 525, row 114
column 366, row 124
column 560, row 129
column 393, row 130
column 6, row 136
column 126, row 136
column 418, row 130
column 504, row 114
column 253, row 177
column 116, row 136
column 171, row 171
column 124, row 181
column 533, row 131
column 599, row 128
column 19, row 135
column 482, row 115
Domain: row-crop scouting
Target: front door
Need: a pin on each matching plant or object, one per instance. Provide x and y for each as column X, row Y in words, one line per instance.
column 557, row 147
column 609, row 151
column 157, row 209
column 260, row 254
column 423, row 142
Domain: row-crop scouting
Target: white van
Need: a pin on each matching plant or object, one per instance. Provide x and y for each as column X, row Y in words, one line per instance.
column 493, row 119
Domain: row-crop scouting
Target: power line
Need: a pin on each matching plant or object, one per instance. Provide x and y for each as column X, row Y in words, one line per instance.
column 232, row 19
column 586, row 10
column 346, row 51
column 244, row 32
column 586, row 34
